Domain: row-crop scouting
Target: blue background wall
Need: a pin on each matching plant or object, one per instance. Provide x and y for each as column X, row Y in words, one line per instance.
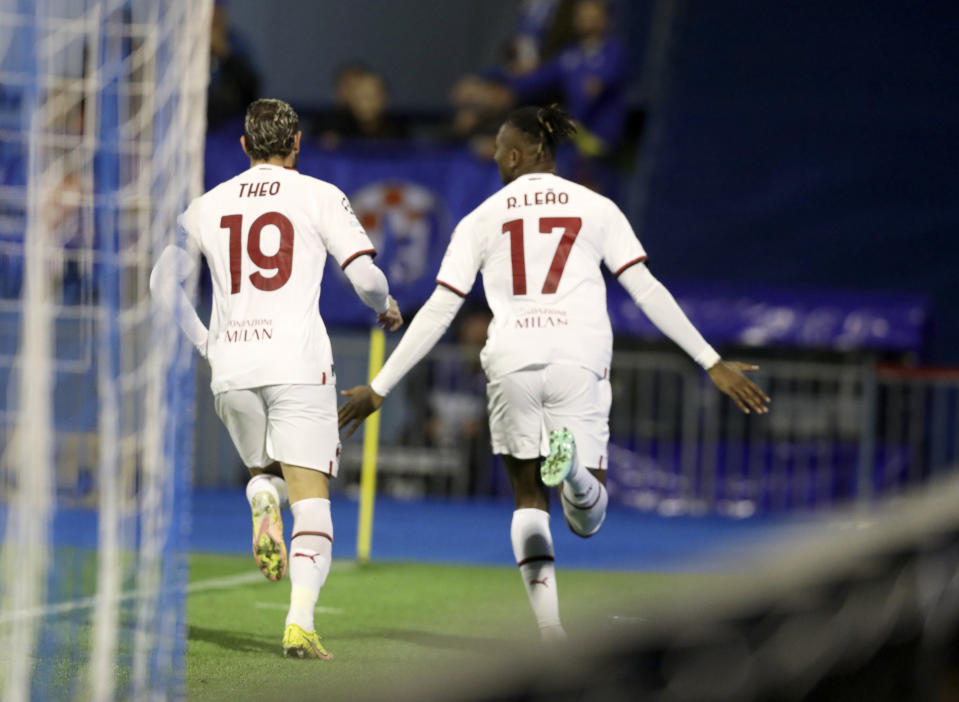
column 809, row 144
column 421, row 46
column 803, row 144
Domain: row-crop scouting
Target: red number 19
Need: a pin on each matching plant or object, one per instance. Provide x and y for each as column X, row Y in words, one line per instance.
column 281, row 261
column 570, row 227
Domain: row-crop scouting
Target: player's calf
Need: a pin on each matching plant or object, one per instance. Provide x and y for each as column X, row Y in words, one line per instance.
column 311, row 551
column 533, row 549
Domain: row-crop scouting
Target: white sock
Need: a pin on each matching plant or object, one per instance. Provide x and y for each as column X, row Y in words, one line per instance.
column 271, row 483
column 585, row 509
column 533, row 549
column 311, row 550
column 580, row 482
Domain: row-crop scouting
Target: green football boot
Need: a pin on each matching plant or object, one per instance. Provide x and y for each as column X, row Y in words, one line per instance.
column 562, row 452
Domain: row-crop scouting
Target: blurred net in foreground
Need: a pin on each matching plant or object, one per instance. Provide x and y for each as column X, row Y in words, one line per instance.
column 869, row 612
column 101, row 142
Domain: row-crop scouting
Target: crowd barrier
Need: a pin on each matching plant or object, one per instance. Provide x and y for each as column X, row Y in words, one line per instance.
column 837, row 432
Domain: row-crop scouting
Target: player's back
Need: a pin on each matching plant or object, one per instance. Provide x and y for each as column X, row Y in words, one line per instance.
column 541, row 242
column 265, row 234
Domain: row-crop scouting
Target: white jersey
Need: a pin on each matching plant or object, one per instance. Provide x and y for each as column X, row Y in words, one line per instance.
column 266, row 234
column 539, row 243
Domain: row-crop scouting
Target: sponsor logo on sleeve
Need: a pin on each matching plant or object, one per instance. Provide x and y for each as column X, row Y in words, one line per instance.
column 346, row 206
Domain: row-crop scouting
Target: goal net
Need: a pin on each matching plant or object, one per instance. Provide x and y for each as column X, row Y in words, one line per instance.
column 102, row 112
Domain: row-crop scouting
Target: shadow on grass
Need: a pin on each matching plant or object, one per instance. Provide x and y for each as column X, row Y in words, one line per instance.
column 235, row 641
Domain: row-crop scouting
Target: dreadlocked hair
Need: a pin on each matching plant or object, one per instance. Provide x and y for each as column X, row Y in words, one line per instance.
column 270, row 127
column 546, row 126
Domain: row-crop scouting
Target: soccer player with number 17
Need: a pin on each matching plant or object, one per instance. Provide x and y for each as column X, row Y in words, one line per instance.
column 539, row 242
column 265, row 234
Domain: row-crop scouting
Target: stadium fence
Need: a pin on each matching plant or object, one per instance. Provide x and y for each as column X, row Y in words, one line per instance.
column 839, row 431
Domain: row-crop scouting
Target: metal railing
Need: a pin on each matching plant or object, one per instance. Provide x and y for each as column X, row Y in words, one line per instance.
column 838, row 431
column 678, row 446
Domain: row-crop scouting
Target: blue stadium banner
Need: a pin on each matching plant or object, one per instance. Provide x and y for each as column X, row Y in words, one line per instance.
column 760, row 316
column 409, row 197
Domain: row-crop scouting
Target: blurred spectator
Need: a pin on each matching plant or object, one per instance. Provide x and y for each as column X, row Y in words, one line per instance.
column 534, row 20
column 480, row 102
column 234, row 82
column 345, row 80
column 362, row 108
column 590, row 73
column 479, row 109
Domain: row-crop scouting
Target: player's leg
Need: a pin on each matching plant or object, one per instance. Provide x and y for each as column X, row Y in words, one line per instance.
column 533, row 544
column 577, row 415
column 516, row 428
column 243, row 412
column 311, row 554
column 303, row 436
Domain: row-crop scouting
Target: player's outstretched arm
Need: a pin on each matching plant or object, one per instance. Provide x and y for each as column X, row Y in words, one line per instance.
column 370, row 285
column 663, row 311
column 427, row 327
column 173, row 267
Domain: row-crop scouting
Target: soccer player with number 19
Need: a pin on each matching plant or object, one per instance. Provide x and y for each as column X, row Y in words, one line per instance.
column 539, row 243
column 265, row 234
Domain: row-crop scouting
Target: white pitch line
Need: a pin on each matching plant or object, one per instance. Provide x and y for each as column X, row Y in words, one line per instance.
column 222, row 583
column 227, row 581
column 284, row 607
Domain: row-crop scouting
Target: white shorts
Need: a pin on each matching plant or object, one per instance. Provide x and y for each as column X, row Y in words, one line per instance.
column 294, row 424
column 524, row 406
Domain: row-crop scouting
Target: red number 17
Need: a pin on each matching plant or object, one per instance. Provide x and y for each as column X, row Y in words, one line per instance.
column 570, row 227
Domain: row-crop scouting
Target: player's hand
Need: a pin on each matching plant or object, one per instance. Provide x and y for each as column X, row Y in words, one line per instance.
column 728, row 377
column 391, row 320
column 362, row 403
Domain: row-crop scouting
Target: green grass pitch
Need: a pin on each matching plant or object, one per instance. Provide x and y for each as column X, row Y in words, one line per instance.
column 383, row 622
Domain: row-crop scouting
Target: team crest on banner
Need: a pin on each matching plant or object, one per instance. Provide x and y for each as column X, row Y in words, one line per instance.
column 405, row 222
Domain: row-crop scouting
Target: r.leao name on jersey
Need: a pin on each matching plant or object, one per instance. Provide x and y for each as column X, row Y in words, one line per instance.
column 539, row 197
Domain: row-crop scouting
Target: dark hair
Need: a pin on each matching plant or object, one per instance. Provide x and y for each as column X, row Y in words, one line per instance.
column 270, row 126
column 546, row 126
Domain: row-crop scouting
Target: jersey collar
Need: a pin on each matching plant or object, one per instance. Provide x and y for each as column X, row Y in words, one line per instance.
column 272, row 165
column 535, row 176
